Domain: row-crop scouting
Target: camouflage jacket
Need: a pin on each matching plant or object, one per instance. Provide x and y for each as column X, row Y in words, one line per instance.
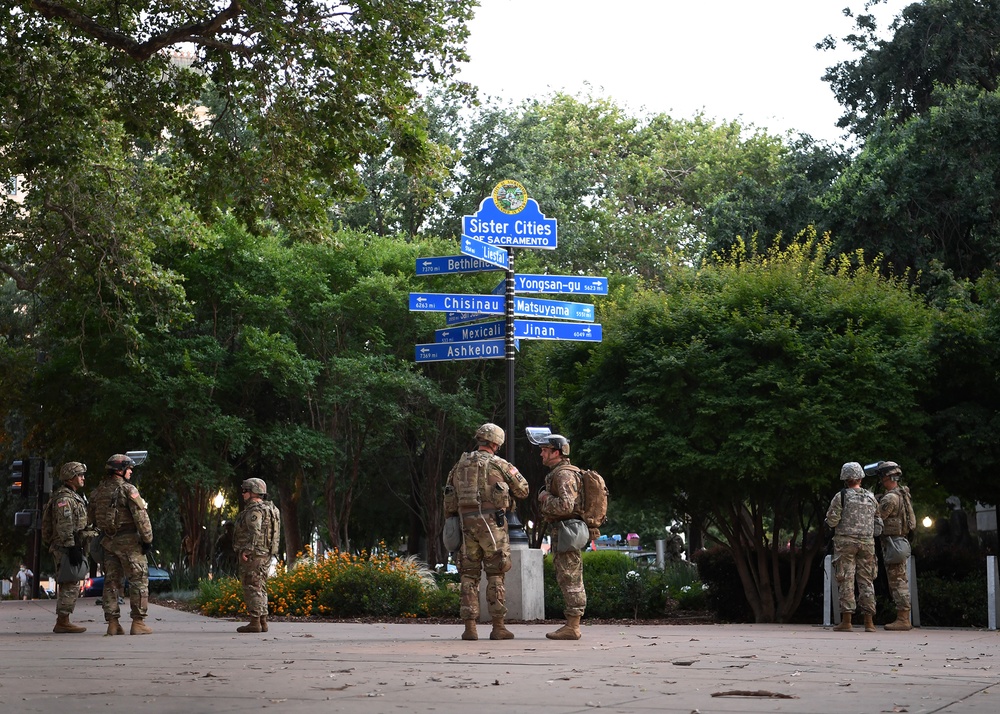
column 857, row 517
column 563, row 486
column 258, row 529
column 116, row 507
column 69, row 517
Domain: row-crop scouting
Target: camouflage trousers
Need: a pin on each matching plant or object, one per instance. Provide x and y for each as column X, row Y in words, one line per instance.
column 485, row 546
column 899, row 585
column 569, row 575
column 253, row 578
column 66, row 593
column 854, row 560
column 123, row 558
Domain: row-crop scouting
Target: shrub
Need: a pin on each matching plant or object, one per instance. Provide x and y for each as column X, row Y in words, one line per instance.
column 945, row 602
column 725, row 590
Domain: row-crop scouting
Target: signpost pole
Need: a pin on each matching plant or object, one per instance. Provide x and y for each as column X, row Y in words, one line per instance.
column 518, row 538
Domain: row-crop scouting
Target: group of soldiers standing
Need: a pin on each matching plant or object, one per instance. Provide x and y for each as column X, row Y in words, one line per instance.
column 114, row 529
column 478, row 492
column 858, row 517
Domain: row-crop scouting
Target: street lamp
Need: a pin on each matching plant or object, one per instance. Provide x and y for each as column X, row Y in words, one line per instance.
column 219, row 501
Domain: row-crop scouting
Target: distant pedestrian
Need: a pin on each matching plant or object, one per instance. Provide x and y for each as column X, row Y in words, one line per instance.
column 256, row 539
column 24, row 581
column 854, row 515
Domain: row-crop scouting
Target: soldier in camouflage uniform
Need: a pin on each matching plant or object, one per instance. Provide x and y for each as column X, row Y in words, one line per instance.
column 479, row 489
column 896, row 510
column 561, row 500
column 119, row 513
column 255, row 541
column 853, row 512
column 64, row 528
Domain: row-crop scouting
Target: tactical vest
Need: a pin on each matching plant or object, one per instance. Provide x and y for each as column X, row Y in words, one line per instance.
column 111, row 510
column 475, row 483
column 857, row 515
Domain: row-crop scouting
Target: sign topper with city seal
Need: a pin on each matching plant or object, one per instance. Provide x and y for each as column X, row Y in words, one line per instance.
column 509, row 218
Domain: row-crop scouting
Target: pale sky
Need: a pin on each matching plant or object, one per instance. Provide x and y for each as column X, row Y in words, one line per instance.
column 753, row 60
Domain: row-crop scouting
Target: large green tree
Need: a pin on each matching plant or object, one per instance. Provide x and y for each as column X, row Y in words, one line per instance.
column 737, row 393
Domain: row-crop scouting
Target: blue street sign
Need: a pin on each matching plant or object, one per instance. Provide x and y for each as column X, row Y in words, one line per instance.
column 452, row 302
column 526, row 227
column 544, row 330
column 483, row 349
column 533, row 307
column 451, row 264
column 484, row 252
column 483, row 331
column 460, row 318
column 569, row 284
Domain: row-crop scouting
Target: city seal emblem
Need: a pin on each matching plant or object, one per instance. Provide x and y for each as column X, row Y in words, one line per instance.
column 510, row 196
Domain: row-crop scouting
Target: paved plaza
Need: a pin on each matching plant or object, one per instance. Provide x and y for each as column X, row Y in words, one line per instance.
column 199, row 664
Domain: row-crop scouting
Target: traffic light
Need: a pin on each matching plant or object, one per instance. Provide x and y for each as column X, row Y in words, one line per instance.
column 17, row 476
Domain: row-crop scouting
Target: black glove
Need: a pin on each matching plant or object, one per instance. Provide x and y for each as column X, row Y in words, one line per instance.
column 146, row 547
column 75, row 555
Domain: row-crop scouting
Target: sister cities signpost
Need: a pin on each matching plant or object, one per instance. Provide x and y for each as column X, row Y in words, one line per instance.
column 506, row 219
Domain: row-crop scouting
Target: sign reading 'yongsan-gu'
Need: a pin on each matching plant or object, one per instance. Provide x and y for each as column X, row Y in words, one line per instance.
column 509, row 218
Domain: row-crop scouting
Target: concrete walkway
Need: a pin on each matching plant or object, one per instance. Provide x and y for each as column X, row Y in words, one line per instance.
column 196, row 664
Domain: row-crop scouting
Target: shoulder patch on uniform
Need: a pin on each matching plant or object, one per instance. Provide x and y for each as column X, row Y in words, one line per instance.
column 60, row 504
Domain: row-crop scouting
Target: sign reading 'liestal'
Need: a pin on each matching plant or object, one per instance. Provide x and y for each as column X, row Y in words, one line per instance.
column 484, row 252
column 437, row 352
column 509, row 218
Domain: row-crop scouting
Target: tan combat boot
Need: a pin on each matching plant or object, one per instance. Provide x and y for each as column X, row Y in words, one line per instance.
column 869, row 623
column 253, row 626
column 139, row 627
column 64, row 625
column 902, row 622
column 499, row 631
column 845, row 622
column 569, row 631
column 263, row 623
column 470, row 631
column 114, row 627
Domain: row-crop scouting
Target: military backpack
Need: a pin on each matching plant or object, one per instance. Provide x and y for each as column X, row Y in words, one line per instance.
column 595, row 499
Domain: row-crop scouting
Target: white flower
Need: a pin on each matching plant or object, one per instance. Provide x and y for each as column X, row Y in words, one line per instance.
column 632, row 575
column 686, row 589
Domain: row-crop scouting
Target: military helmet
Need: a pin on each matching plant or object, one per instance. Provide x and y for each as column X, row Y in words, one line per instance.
column 491, row 433
column 120, row 462
column 558, row 442
column 890, row 469
column 255, row 485
column 851, row 471
column 71, row 469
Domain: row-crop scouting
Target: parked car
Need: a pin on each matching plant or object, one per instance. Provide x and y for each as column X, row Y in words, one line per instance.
column 159, row 581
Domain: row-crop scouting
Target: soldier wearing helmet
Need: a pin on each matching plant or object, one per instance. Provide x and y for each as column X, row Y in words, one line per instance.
column 256, row 540
column 64, row 529
column 854, row 515
column 479, row 489
column 120, row 514
column 562, row 499
column 896, row 509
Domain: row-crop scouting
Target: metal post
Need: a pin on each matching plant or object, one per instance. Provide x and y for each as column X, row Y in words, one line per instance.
column 38, row 478
column 911, row 574
column 992, row 590
column 515, row 531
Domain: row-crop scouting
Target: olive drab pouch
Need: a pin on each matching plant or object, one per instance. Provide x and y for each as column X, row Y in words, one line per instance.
column 452, row 534
column 69, row 573
column 895, row 549
column 571, row 534
column 908, row 516
column 500, row 495
column 96, row 549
